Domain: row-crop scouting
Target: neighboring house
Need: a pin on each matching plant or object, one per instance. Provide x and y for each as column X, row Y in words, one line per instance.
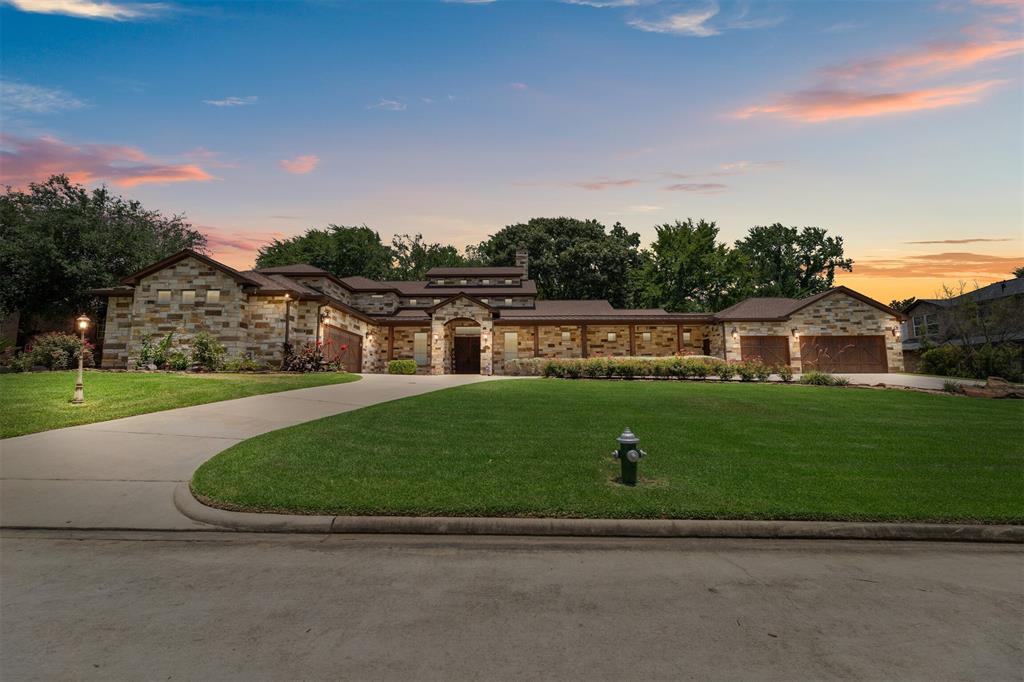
column 991, row 314
column 474, row 320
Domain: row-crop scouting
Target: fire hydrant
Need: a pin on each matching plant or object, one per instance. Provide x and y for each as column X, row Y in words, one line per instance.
column 628, row 455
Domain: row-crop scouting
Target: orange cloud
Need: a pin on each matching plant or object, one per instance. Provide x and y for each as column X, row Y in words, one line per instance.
column 952, row 266
column 816, row 106
column 697, row 187
column 604, row 183
column 301, row 165
column 235, row 247
column 25, row 160
column 931, row 60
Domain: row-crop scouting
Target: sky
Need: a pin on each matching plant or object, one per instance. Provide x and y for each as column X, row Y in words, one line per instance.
column 897, row 125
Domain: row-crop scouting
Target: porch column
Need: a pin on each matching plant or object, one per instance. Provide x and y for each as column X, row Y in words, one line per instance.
column 583, row 340
column 437, row 347
column 391, row 343
column 536, row 341
column 632, row 340
column 679, row 338
column 486, row 347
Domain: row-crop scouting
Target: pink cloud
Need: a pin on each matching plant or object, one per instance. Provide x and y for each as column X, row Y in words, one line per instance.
column 697, row 187
column 816, row 106
column 25, row 160
column 301, row 165
column 933, row 59
column 237, row 248
column 604, row 183
column 950, row 265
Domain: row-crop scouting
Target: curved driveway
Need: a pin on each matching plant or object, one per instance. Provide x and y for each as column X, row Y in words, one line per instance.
column 122, row 473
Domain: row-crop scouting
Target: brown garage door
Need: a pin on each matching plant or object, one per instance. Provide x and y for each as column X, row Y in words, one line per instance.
column 343, row 347
column 853, row 354
column 771, row 350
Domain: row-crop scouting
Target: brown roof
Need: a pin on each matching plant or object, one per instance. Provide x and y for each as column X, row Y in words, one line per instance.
column 419, row 288
column 776, row 309
column 279, row 284
column 488, row 271
column 296, row 269
column 181, row 255
column 595, row 311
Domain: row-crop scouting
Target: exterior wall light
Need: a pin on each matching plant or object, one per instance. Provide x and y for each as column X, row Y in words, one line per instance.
column 735, row 333
column 796, row 334
column 82, row 322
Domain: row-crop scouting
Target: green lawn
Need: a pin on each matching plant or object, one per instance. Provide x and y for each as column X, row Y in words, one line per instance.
column 39, row 401
column 541, row 448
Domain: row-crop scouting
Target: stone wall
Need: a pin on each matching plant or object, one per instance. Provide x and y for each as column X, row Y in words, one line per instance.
column 117, row 333
column 326, row 286
column 454, row 282
column 553, row 345
column 404, row 345
column 524, row 345
column 599, row 345
column 375, row 304
column 663, row 339
column 223, row 320
column 440, row 333
column 834, row 315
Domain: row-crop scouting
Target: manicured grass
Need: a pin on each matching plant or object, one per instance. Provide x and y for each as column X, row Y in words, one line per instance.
column 39, row 401
column 541, row 447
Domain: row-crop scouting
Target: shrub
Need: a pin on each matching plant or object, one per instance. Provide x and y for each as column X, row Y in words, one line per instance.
column 525, row 366
column 840, row 381
column 785, row 373
column 207, row 352
column 989, row 360
column 724, row 370
column 941, row 360
column 243, row 363
column 762, row 371
column 178, row 361
column 402, row 367
column 697, row 369
column 57, row 350
column 309, row 358
column 952, row 386
column 816, row 378
column 155, row 353
column 746, row 370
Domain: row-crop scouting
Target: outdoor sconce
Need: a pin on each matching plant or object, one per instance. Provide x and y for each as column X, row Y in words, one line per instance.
column 796, row 334
column 896, row 332
column 83, row 323
column 735, row 333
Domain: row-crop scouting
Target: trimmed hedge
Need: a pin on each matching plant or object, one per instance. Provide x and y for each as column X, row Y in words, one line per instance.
column 402, row 367
column 660, row 367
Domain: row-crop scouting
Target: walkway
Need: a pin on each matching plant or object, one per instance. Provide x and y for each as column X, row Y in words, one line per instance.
column 122, row 473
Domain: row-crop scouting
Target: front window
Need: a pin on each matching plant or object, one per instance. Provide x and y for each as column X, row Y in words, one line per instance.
column 566, row 336
column 926, row 325
column 213, row 296
column 163, row 296
column 511, row 345
column 646, row 336
column 687, row 336
column 412, row 301
column 188, row 296
column 419, row 348
column 463, row 281
column 508, row 301
column 485, row 300
column 612, row 336
column 508, row 281
column 485, row 281
column 440, row 281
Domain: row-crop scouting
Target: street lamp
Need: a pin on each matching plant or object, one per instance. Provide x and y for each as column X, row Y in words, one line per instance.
column 83, row 323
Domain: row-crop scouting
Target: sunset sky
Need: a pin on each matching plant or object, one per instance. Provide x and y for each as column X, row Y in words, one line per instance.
column 897, row 125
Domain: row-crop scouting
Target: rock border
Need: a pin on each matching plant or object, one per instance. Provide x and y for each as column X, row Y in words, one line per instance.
column 191, row 507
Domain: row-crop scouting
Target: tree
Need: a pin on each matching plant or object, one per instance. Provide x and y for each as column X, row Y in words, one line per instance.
column 784, row 261
column 411, row 257
column 58, row 240
column 691, row 270
column 570, row 258
column 901, row 304
column 1018, row 272
column 341, row 250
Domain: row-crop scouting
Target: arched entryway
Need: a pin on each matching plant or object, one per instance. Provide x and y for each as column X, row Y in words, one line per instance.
column 462, row 345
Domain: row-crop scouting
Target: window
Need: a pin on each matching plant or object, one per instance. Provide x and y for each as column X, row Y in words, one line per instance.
column 412, row 301
column 419, row 348
column 440, row 281
column 436, row 301
column 508, row 301
column 213, row 296
column 163, row 296
column 376, row 295
column 485, row 281
column 646, row 336
column 511, row 345
column 508, row 281
column 612, row 336
column 566, row 336
column 188, row 296
column 926, row 325
column 463, row 281
column 687, row 336
column 485, row 300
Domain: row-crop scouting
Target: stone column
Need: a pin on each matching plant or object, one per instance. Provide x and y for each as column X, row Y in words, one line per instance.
column 438, row 361
column 486, row 347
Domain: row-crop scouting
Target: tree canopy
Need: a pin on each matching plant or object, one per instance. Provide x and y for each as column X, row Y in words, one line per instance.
column 786, row 261
column 691, row 270
column 58, row 240
column 339, row 249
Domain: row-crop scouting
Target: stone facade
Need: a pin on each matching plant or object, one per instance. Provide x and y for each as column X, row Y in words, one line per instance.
column 834, row 315
column 117, row 332
column 375, row 304
column 442, row 334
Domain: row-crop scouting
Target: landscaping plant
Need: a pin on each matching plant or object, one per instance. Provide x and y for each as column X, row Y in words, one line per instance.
column 207, row 352
column 816, row 378
column 402, row 367
column 56, row 350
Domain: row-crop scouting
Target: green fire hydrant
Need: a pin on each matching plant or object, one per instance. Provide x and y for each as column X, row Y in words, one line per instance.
column 628, row 455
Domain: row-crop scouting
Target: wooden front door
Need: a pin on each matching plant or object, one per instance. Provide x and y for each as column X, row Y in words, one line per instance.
column 771, row 350
column 852, row 354
column 343, row 347
column 467, row 354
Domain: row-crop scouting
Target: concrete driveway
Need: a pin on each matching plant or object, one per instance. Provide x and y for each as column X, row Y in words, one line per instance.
column 122, row 473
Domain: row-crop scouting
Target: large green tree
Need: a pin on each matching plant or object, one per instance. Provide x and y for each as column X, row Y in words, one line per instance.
column 787, row 261
column 58, row 240
column 570, row 258
column 341, row 250
column 690, row 269
column 412, row 257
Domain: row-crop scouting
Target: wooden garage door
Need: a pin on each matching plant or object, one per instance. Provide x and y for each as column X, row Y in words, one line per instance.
column 344, row 347
column 852, row 354
column 771, row 350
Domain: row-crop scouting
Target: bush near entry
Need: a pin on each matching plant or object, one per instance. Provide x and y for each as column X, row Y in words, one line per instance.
column 402, row 367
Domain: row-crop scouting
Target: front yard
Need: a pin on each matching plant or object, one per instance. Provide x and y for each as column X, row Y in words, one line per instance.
column 39, row 401
column 542, row 448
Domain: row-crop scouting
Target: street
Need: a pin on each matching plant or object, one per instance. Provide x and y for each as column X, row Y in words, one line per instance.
column 234, row 606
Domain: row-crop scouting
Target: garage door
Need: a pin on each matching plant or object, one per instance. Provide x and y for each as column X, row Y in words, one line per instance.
column 343, row 347
column 852, row 354
column 771, row 350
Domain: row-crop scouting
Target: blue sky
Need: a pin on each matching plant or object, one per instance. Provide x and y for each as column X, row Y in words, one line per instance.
column 888, row 123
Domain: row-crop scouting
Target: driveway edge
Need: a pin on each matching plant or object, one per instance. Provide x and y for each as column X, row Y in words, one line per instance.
column 188, row 505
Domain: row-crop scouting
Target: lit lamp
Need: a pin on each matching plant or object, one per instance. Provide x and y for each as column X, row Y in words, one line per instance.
column 83, row 323
column 796, row 334
column 735, row 333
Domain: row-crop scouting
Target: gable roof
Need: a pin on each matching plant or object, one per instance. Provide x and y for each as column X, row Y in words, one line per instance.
column 296, row 269
column 452, row 299
column 776, row 309
column 182, row 255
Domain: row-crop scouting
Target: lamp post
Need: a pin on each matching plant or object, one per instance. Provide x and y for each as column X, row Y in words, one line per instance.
column 287, row 316
column 83, row 324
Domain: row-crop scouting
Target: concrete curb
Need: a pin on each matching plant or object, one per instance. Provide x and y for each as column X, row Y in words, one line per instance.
column 188, row 505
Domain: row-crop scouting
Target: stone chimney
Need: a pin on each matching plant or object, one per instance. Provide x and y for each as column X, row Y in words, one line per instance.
column 523, row 259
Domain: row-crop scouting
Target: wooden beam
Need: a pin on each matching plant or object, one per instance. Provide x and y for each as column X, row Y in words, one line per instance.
column 391, row 343
column 583, row 340
column 536, row 340
column 679, row 338
column 632, row 340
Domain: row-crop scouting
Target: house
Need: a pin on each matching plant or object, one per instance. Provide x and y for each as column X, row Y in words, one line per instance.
column 474, row 320
column 990, row 314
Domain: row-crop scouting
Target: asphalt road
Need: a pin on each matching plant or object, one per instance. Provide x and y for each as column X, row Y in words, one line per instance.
column 199, row 606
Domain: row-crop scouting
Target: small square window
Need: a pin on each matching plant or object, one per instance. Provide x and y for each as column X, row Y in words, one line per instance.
column 463, row 281
column 485, row 281
column 412, row 301
column 163, row 296
column 440, row 281
column 508, row 301
column 213, row 296
column 612, row 336
column 437, row 300
column 566, row 336
column 485, row 300
column 188, row 296
column 508, row 281
column 376, row 295
column 646, row 336
column 687, row 335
